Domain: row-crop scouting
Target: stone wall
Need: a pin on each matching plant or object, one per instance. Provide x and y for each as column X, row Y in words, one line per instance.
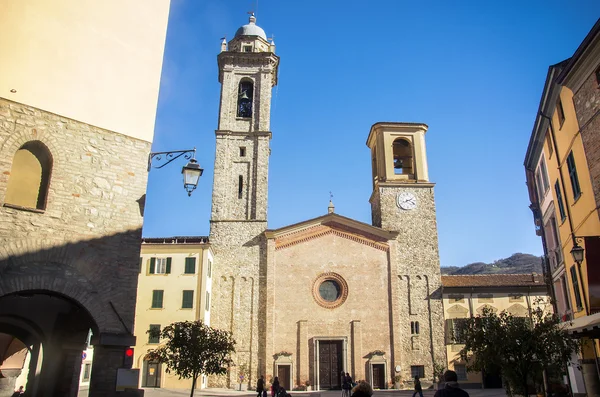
column 587, row 107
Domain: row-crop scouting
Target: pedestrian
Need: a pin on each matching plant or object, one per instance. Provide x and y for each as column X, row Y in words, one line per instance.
column 19, row 393
column 418, row 388
column 346, row 385
column 275, row 386
column 451, row 389
column 260, row 386
column 362, row 389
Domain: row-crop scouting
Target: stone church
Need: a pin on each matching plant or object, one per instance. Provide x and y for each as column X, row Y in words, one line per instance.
column 360, row 298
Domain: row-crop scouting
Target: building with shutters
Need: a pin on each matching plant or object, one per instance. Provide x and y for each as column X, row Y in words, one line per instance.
column 467, row 295
column 562, row 167
column 174, row 284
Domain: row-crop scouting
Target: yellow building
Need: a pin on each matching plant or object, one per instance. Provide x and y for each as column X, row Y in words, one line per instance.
column 562, row 176
column 174, row 284
column 466, row 296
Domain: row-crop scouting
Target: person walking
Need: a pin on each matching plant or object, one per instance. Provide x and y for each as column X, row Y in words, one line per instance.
column 275, row 386
column 260, row 386
column 346, row 385
column 418, row 387
column 451, row 389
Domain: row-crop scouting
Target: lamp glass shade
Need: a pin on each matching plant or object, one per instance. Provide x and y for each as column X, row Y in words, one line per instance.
column 577, row 253
column 191, row 175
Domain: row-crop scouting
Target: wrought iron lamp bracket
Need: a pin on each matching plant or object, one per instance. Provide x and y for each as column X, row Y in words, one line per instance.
column 168, row 157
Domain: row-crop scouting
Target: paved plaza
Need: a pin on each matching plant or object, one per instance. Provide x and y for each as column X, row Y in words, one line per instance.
column 159, row 392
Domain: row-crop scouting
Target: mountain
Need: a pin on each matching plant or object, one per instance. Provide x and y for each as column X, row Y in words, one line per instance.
column 516, row 264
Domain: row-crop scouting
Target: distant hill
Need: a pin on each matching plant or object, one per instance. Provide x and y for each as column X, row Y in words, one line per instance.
column 517, row 264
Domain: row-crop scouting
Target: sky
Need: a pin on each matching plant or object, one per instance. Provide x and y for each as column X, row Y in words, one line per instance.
column 473, row 71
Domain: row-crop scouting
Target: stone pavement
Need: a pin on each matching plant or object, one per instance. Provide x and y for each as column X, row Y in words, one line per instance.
column 150, row 392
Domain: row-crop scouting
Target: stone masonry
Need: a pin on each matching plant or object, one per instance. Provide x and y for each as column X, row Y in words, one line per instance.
column 85, row 244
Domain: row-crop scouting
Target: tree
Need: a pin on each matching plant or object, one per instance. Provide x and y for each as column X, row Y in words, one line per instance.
column 192, row 348
column 520, row 347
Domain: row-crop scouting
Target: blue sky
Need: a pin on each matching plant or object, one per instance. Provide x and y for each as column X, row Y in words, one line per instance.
column 472, row 70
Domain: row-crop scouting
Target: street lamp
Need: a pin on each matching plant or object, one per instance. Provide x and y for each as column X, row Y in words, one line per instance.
column 191, row 171
column 577, row 250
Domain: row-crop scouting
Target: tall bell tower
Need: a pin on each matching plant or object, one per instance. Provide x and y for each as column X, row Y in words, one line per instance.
column 247, row 73
column 403, row 201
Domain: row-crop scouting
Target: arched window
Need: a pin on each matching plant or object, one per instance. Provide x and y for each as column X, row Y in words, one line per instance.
column 30, row 176
column 414, row 328
column 403, row 157
column 245, row 96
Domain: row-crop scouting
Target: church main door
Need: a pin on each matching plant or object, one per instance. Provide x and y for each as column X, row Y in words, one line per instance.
column 330, row 364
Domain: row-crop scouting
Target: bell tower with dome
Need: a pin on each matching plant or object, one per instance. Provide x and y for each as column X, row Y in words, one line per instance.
column 247, row 73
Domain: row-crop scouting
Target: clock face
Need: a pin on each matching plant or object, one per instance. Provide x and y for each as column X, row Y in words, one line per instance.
column 406, row 201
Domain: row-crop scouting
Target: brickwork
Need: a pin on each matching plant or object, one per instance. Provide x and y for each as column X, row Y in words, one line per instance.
column 587, row 108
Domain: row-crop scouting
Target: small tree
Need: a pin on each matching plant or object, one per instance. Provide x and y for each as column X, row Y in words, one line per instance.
column 192, row 348
column 520, row 347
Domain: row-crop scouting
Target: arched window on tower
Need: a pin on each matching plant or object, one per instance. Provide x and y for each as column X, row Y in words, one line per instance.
column 403, row 157
column 245, row 96
column 30, row 176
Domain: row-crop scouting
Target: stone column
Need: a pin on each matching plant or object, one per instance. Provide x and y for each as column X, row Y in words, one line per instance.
column 68, row 382
column 107, row 359
column 358, row 369
column 302, row 371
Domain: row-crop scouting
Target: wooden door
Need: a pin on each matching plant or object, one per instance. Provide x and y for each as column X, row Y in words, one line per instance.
column 283, row 373
column 330, row 364
column 378, row 376
column 152, row 374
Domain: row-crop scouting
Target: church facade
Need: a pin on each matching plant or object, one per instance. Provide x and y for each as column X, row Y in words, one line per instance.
column 359, row 298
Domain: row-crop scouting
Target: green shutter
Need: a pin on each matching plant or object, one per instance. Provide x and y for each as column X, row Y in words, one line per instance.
column 152, row 265
column 157, row 299
column 141, row 262
column 154, row 333
column 190, row 265
column 188, row 299
column 168, row 266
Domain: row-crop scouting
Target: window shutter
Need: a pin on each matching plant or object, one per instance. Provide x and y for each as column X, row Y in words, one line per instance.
column 190, row 265
column 141, row 262
column 152, row 265
column 449, row 331
column 168, row 266
column 188, row 299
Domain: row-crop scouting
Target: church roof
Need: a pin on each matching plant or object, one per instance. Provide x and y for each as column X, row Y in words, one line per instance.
column 251, row 29
column 331, row 223
column 493, row 280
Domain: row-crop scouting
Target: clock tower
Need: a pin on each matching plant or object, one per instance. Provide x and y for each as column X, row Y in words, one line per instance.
column 402, row 201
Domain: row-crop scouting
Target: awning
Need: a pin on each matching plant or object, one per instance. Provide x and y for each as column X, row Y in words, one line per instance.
column 586, row 326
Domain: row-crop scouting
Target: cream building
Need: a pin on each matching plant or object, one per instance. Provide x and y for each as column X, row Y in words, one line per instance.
column 328, row 294
column 174, row 284
column 466, row 296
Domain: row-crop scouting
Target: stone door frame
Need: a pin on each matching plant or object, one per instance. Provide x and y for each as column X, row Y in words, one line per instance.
column 316, row 341
column 285, row 361
column 375, row 360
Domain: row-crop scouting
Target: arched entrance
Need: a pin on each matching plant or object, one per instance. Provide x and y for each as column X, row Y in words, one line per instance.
column 42, row 337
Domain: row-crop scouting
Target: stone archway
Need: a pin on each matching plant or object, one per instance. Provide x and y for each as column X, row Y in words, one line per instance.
column 52, row 329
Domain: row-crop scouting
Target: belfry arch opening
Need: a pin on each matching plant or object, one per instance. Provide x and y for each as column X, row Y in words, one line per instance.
column 403, row 157
column 245, row 98
column 42, row 335
column 30, row 176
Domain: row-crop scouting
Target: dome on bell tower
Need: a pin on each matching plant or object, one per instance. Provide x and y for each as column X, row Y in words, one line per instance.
column 251, row 29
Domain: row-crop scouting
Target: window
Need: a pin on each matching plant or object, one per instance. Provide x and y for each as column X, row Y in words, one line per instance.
column 576, row 288
column 454, row 331
column 29, row 177
column 242, row 152
column 209, row 268
column 207, row 301
column 245, row 95
column 541, row 177
column 247, row 48
column 573, row 176
column 187, row 299
column 87, row 369
column 403, row 157
column 157, row 298
column 417, row 370
column 160, row 266
column 140, row 267
column 190, row 265
column 414, row 328
column 461, row 371
column 565, row 286
column 549, row 143
column 240, row 186
column 154, row 333
column 560, row 112
column 561, row 206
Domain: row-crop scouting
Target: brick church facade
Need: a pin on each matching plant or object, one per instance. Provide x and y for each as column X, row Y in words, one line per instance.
column 360, row 298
